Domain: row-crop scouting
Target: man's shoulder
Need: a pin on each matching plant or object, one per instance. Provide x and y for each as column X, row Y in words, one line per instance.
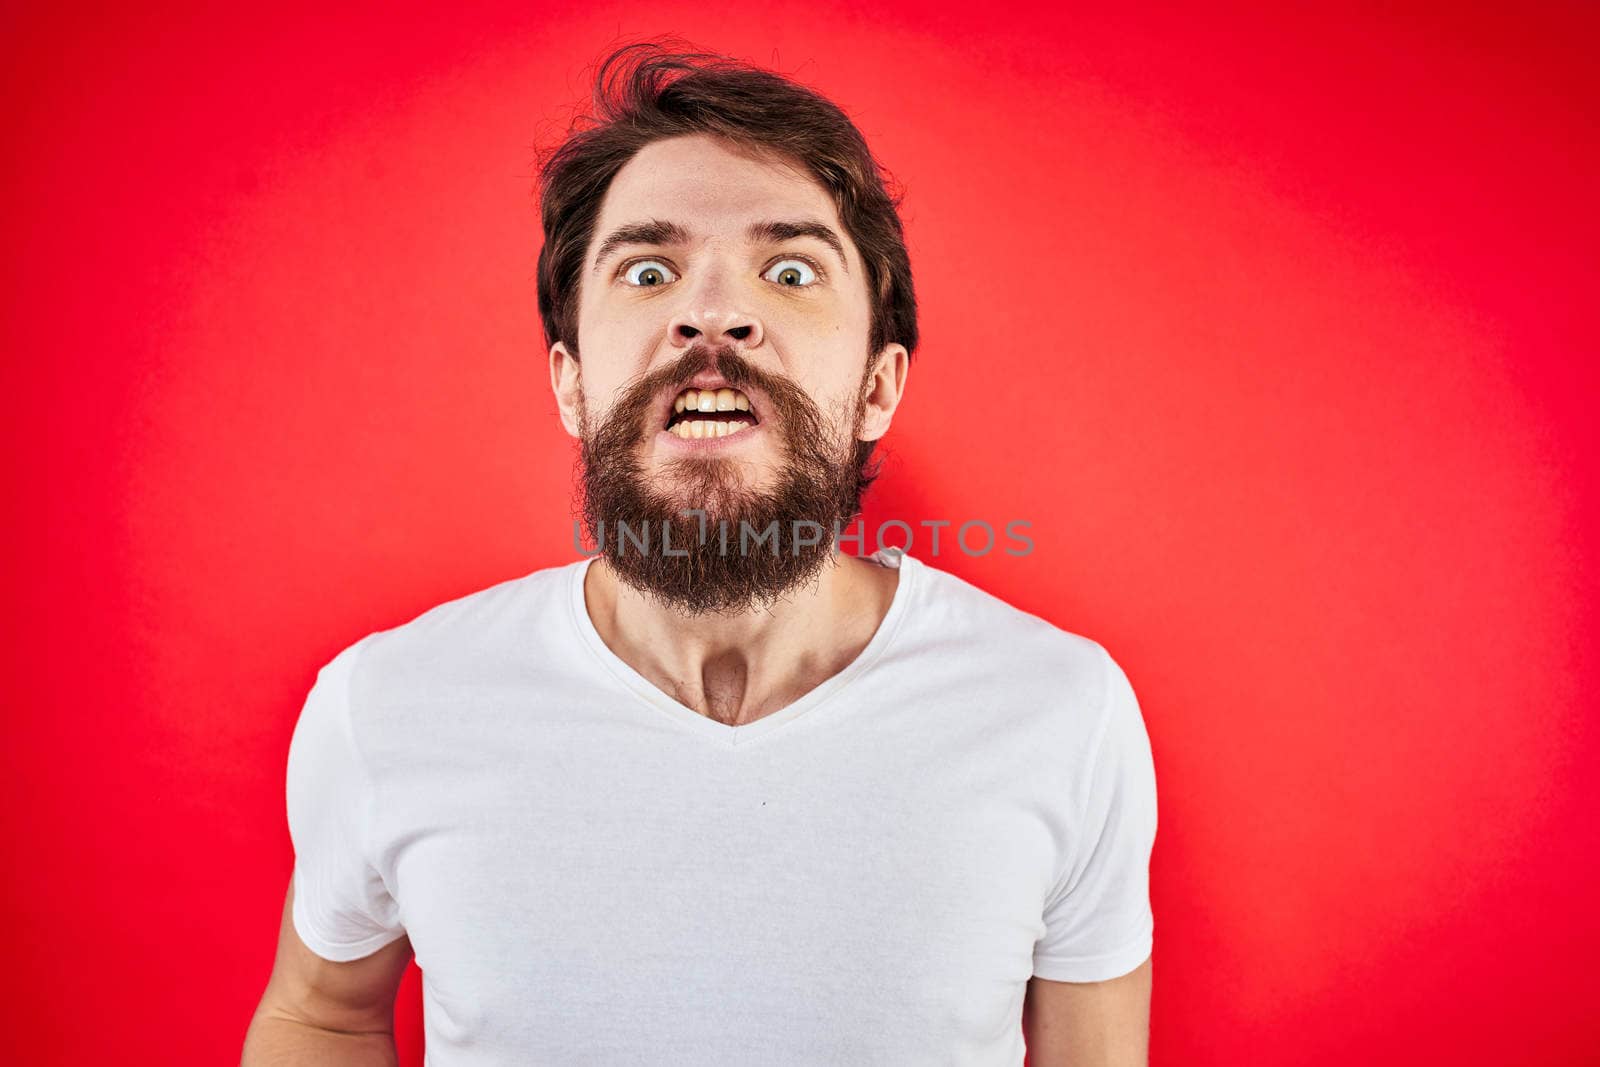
column 951, row 601
column 977, row 624
column 1030, row 684
column 513, row 615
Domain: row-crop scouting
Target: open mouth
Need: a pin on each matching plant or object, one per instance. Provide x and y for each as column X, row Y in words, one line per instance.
column 700, row 413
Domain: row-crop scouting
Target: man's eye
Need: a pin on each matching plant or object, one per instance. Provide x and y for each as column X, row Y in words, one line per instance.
column 647, row 273
column 792, row 272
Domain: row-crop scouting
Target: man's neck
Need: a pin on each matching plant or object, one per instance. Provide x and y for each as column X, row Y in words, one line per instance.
column 741, row 667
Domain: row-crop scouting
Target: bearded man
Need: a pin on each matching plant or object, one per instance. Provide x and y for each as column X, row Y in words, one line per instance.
column 720, row 792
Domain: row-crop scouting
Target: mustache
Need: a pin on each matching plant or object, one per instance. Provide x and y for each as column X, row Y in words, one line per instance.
column 785, row 400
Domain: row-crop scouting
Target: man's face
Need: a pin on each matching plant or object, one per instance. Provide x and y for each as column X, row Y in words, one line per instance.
column 714, row 269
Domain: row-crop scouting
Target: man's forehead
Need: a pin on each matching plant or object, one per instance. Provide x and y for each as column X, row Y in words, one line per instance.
column 709, row 189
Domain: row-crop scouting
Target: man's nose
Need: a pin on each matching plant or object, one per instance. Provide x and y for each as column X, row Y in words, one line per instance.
column 715, row 313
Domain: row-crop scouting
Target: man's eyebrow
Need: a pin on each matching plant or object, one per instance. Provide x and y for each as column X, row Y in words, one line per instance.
column 777, row 230
column 654, row 232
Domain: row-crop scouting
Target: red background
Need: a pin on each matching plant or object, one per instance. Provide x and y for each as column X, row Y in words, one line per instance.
column 1278, row 328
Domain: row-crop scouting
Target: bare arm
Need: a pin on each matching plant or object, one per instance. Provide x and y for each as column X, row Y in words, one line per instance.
column 1089, row 1024
column 317, row 1012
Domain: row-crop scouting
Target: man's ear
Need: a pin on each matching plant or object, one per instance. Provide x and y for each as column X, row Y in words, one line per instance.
column 884, row 388
column 566, row 384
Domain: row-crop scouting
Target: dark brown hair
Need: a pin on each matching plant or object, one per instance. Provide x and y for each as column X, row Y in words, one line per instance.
column 645, row 93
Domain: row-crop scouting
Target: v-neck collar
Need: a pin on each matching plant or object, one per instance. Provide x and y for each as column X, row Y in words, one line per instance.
column 733, row 736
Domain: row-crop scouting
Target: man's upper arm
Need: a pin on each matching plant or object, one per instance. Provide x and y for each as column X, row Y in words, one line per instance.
column 1089, row 1024
column 342, row 949
column 355, row 997
column 1098, row 920
column 342, row 905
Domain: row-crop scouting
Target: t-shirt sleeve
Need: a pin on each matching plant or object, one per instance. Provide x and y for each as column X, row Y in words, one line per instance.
column 342, row 908
column 1098, row 920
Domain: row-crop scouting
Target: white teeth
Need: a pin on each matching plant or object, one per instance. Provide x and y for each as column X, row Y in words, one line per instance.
column 711, row 400
column 700, row 428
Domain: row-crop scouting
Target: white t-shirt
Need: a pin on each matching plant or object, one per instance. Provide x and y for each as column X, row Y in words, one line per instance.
column 593, row 873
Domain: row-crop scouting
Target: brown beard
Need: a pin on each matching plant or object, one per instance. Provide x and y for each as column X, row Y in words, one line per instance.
column 820, row 480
